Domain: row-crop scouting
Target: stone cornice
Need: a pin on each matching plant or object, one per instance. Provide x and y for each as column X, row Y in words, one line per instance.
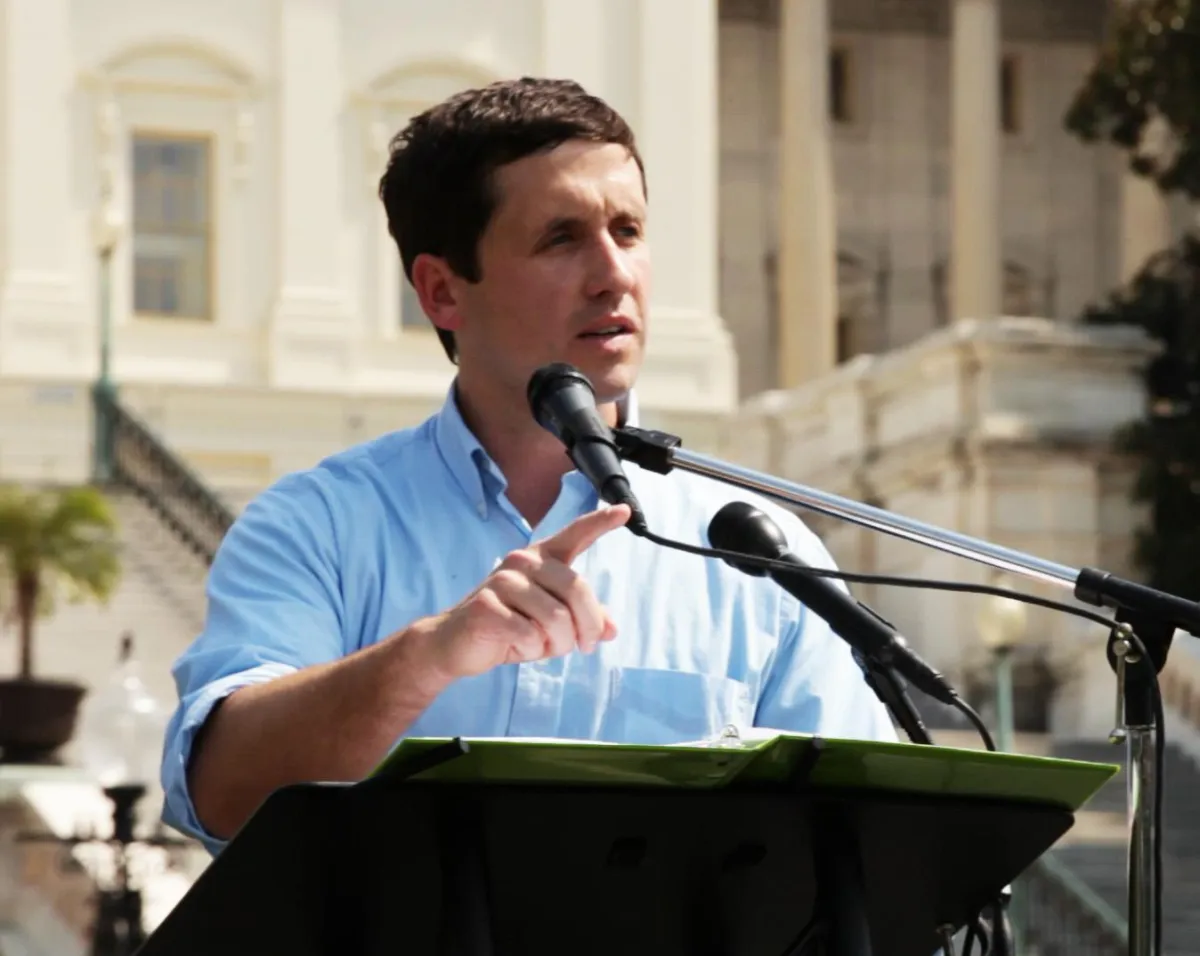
column 1061, row 21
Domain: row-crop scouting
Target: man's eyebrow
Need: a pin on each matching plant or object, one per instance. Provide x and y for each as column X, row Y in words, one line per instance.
column 559, row 222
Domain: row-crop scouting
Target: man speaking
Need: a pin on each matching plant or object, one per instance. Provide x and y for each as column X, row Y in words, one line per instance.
column 461, row 578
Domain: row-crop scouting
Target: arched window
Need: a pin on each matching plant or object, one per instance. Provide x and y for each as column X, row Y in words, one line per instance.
column 173, row 124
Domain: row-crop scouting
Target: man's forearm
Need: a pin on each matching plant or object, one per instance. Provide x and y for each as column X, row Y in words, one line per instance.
column 332, row 721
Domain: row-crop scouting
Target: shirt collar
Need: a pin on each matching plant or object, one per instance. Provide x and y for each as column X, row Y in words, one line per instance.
column 471, row 466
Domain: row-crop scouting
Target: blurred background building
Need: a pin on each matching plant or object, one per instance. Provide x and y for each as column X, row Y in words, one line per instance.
column 872, row 235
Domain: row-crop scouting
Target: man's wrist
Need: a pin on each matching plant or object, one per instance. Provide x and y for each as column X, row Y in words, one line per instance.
column 416, row 660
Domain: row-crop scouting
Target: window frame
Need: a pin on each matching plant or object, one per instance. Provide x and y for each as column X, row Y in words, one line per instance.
column 212, row 142
column 1011, row 105
column 839, row 50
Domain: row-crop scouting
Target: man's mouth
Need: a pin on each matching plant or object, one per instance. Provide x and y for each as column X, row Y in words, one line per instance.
column 608, row 332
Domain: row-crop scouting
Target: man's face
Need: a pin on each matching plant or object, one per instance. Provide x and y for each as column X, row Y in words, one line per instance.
column 565, row 272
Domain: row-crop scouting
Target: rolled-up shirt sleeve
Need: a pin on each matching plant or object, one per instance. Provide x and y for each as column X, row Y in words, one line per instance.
column 274, row 607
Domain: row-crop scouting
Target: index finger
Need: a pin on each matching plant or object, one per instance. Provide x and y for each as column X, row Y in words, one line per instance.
column 583, row 532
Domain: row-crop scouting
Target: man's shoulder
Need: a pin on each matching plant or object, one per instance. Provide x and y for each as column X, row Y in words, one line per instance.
column 347, row 477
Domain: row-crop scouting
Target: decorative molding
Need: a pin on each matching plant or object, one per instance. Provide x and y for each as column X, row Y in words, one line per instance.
column 218, row 73
column 176, row 67
column 243, row 140
column 406, row 89
column 418, row 83
column 1058, row 21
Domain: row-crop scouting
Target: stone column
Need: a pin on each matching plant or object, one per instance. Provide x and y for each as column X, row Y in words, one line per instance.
column 690, row 363
column 807, row 260
column 44, row 321
column 312, row 329
column 1145, row 214
column 976, row 257
column 573, row 42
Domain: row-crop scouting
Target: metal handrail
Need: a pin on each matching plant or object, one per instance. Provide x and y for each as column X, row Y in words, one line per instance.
column 138, row 459
column 1063, row 916
column 1091, row 901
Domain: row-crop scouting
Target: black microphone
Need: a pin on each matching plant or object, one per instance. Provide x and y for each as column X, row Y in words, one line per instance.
column 564, row 403
column 743, row 528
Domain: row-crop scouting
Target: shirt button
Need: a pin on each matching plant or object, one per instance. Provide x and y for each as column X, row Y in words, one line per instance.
column 482, row 506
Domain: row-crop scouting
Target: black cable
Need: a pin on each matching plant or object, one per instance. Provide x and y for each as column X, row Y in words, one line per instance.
column 932, row 584
column 977, row 933
column 977, row 722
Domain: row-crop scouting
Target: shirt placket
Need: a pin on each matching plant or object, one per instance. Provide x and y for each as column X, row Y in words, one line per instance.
column 541, row 685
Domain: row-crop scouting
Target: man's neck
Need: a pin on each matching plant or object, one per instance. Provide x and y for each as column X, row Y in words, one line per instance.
column 531, row 459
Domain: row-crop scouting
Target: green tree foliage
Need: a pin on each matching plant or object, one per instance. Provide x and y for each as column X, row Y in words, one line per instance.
column 51, row 544
column 1164, row 300
column 1148, row 67
column 1146, row 82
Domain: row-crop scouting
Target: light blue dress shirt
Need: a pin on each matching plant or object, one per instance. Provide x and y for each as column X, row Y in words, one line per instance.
column 335, row 558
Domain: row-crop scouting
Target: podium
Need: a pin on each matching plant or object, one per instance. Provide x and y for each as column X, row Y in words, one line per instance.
column 787, row 846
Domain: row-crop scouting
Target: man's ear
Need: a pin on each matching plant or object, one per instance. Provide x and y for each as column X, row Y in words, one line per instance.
column 437, row 288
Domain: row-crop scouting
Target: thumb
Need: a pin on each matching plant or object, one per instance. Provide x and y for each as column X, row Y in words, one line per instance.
column 583, row 532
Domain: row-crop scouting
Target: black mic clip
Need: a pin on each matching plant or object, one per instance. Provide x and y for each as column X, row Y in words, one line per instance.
column 647, row 448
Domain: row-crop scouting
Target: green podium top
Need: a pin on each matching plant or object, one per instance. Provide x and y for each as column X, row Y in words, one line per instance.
column 841, row 764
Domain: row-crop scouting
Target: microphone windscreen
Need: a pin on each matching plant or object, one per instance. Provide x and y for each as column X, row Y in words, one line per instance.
column 549, row 379
column 741, row 527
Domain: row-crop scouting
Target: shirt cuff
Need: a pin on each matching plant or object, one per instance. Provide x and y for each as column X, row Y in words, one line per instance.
column 178, row 810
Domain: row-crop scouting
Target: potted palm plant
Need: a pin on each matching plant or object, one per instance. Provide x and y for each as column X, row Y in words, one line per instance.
column 53, row 545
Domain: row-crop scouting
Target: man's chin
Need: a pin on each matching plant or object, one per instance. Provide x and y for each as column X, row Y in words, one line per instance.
column 611, row 375
column 612, row 384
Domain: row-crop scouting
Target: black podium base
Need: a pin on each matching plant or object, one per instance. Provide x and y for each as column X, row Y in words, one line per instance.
column 429, row 869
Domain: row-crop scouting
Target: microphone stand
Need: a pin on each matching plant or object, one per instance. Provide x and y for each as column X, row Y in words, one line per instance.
column 1151, row 614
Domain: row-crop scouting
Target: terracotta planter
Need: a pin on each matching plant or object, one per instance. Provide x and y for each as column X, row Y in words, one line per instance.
column 37, row 717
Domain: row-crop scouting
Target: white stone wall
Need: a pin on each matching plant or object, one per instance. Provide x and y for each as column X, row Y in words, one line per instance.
column 301, row 97
column 1000, row 431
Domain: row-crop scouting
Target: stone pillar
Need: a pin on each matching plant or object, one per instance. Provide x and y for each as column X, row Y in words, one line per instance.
column 1145, row 214
column 807, row 260
column 313, row 334
column 43, row 320
column 976, row 257
column 690, row 361
column 573, row 42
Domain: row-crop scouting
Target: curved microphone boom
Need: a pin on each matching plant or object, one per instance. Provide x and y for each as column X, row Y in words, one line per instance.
column 745, row 529
column 564, row 403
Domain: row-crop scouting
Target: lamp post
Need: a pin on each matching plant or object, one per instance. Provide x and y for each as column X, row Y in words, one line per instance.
column 120, row 737
column 1002, row 626
column 107, row 228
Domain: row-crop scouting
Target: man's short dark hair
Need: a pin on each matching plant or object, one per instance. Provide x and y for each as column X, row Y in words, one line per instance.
column 437, row 188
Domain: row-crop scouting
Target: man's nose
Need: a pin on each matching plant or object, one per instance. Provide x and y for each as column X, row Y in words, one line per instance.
column 611, row 269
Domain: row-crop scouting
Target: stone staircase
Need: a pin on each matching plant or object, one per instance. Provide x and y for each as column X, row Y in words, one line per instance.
column 1102, row 865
